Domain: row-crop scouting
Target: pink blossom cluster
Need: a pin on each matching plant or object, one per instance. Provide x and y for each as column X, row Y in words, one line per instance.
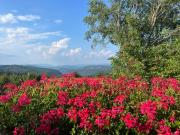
column 99, row 105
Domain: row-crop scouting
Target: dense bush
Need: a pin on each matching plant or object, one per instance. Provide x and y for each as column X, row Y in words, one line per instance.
column 15, row 78
column 146, row 33
column 162, row 60
column 70, row 105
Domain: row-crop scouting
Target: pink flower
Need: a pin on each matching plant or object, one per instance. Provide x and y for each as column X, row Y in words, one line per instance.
column 78, row 101
column 149, row 109
column 130, row 121
column 162, row 122
column 5, row 98
column 165, row 101
column 69, row 75
column 145, row 128
column 19, row 131
column 59, row 112
column 83, row 114
column 86, row 124
column 119, row 99
column 168, row 100
column 65, row 84
column 131, row 84
column 177, row 132
column 93, row 107
column 105, row 113
column 52, row 116
column 72, row 114
column 93, row 82
column 43, row 128
column 16, row 108
column 10, row 86
column 24, row 100
column 156, row 92
column 101, row 122
column 28, row 83
column 156, row 81
column 164, row 130
column 172, row 119
column 116, row 110
column 44, row 77
column 174, row 83
column 62, row 98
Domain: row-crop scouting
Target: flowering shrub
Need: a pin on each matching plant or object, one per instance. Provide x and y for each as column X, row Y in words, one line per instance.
column 71, row 105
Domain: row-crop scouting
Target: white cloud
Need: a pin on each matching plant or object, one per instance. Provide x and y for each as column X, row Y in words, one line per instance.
column 58, row 45
column 102, row 53
column 30, row 46
column 58, row 21
column 23, row 35
column 23, row 38
column 16, row 32
column 73, row 52
column 28, row 17
column 47, row 51
column 11, row 18
column 8, row 18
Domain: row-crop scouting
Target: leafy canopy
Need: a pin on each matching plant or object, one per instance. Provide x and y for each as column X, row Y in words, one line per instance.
column 137, row 27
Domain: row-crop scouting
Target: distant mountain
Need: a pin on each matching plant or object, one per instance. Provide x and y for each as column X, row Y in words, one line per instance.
column 94, row 70
column 68, row 68
column 89, row 70
column 25, row 69
column 83, row 70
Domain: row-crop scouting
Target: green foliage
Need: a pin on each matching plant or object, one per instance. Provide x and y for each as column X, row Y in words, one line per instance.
column 15, row 78
column 162, row 60
column 146, row 32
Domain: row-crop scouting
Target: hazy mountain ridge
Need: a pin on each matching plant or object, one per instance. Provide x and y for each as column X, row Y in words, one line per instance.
column 25, row 69
column 85, row 70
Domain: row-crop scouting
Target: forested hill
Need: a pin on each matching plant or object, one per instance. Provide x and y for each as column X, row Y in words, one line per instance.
column 83, row 70
column 26, row 69
column 88, row 70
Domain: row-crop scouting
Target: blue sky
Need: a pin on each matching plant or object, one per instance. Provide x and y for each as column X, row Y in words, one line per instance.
column 47, row 32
